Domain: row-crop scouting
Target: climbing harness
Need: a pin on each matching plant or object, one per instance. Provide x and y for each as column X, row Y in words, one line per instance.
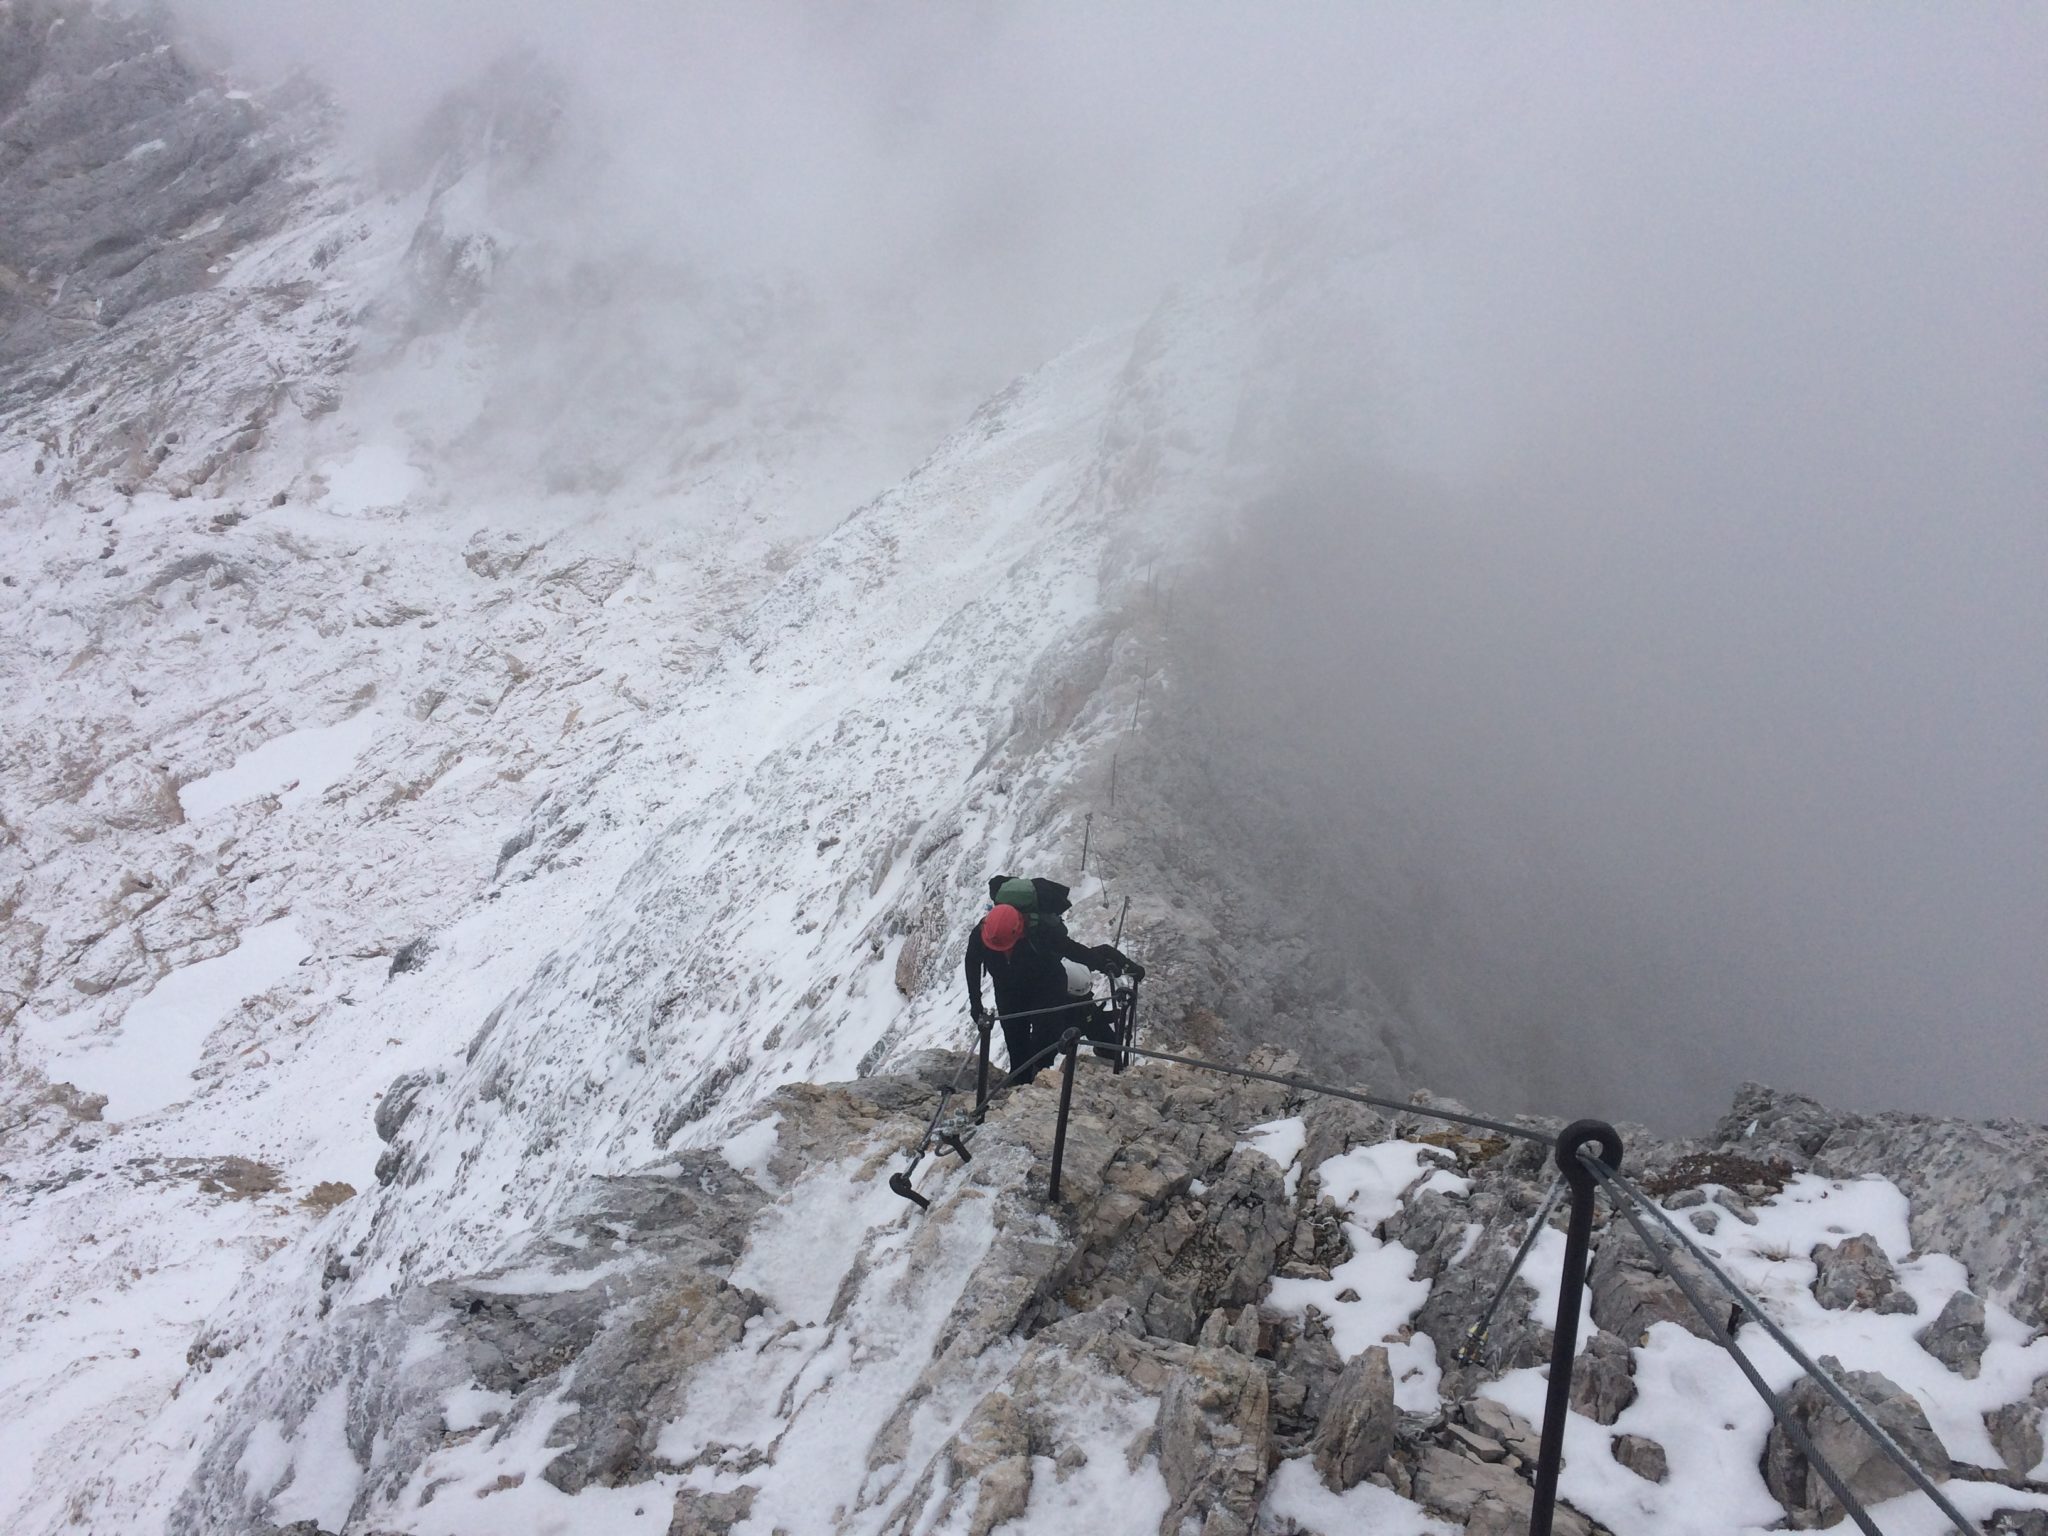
column 1475, row 1336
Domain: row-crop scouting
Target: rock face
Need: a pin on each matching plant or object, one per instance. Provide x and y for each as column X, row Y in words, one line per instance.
column 1865, row 1470
column 125, row 174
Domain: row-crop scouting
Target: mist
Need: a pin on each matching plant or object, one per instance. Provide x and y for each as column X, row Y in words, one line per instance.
column 1645, row 656
column 1644, row 632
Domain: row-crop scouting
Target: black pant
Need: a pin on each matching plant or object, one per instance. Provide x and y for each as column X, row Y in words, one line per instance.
column 1024, row 1038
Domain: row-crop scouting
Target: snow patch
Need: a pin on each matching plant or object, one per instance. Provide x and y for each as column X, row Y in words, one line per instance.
column 374, row 478
column 147, row 1063
column 1282, row 1141
column 1368, row 1184
column 323, row 1473
column 749, row 1148
column 297, row 767
column 1298, row 1503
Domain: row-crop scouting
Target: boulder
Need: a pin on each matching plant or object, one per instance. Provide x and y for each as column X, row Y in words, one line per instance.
column 709, row 1514
column 1856, row 1273
column 1602, row 1380
column 2015, row 1431
column 1630, row 1291
column 1865, row 1469
column 1956, row 1337
column 1642, row 1456
column 1484, row 1496
column 1356, row 1434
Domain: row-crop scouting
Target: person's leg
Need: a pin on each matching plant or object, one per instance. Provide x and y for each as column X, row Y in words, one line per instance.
column 1020, row 1041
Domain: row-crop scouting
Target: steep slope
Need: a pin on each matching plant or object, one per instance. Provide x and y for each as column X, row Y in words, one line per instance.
column 342, row 755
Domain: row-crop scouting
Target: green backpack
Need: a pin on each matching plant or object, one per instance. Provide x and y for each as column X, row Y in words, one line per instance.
column 1043, row 925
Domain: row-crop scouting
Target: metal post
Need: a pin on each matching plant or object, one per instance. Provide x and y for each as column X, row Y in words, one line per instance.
column 987, row 1027
column 1564, row 1342
column 1087, row 831
column 1069, row 1043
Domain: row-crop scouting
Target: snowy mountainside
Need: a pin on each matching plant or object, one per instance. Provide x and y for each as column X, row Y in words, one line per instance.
column 494, row 729
column 340, row 755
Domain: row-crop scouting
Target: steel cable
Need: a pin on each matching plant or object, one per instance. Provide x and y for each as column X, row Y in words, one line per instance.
column 1636, row 1201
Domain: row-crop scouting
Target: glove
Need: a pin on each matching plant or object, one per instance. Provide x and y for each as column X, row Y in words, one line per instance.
column 978, row 1013
column 1134, row 970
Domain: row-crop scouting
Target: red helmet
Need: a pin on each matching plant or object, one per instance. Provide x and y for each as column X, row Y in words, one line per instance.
column 1002, row 928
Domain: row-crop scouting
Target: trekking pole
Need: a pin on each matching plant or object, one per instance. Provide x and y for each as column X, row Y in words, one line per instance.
column 1070, row 1047
column 1087, row 831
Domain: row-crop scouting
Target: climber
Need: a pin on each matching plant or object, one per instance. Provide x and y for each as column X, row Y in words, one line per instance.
column 1022, row 942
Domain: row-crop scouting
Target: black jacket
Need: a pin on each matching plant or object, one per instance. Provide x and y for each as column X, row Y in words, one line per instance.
column 1031, row 975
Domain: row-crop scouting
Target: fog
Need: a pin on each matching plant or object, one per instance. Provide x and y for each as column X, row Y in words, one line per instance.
column 1646, row 633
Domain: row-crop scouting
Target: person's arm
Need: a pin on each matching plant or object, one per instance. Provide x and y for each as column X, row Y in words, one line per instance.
column 975, row 954
column 1106, row 959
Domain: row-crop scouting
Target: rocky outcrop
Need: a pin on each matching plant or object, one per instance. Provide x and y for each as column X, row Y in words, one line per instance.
column 125, row 173
column 1979, row 1190
column 1006, row 1353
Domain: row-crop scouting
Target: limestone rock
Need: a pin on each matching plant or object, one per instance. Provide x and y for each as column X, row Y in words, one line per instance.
column 1642, row 1456
column 1213, row 1443
column 1486, row 1496
column 709, row 1514
column 1854, row 1273
column 1978, row 1191
column 1868, row 1473
column 1630, row 1292
column 1602, row 1381
column 1956, row 1337
column 396, row 1106
column 1357, row 1431
column 1511, row 1429
column 1790, row 1123
column 2015, row 1430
